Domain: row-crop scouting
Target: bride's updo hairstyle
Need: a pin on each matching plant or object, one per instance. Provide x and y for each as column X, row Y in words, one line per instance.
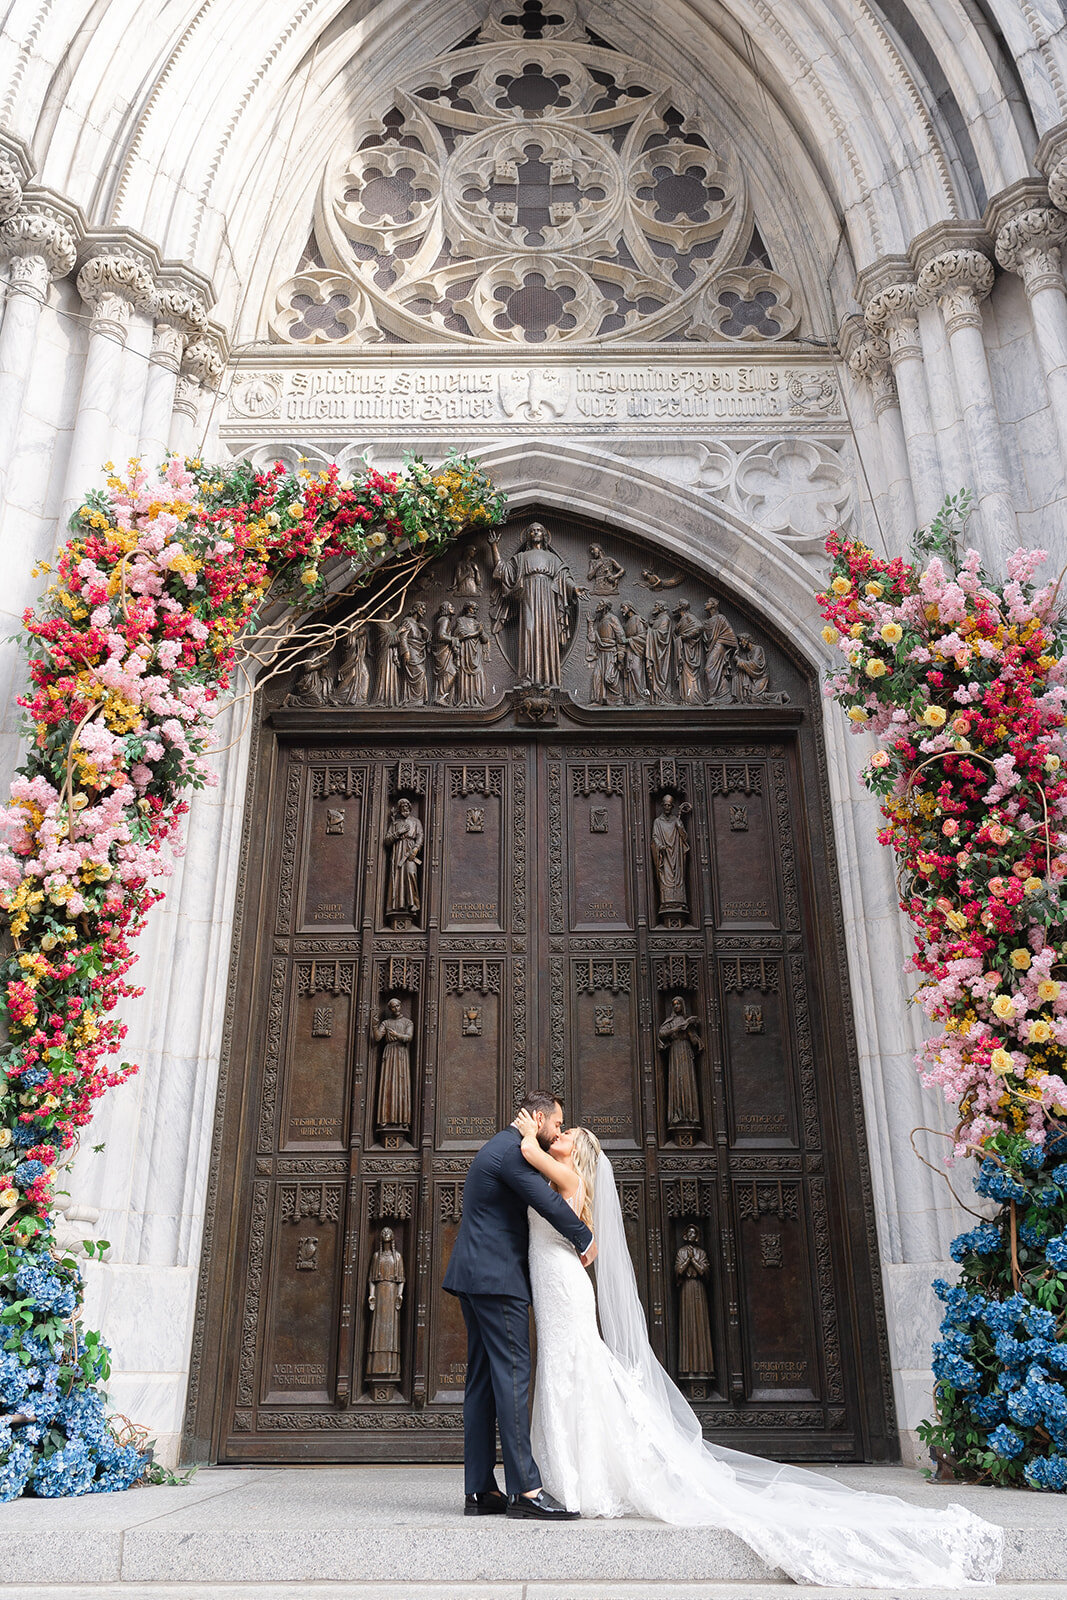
column 585, row 1155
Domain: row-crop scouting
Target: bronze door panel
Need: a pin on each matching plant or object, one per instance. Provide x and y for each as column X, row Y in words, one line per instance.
column 629, row 904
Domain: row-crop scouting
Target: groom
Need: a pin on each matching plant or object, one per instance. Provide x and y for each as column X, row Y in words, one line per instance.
column 490, row 1275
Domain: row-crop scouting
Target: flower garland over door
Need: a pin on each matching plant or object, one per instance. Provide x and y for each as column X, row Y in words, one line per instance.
column 963, row 682
column 166, row 588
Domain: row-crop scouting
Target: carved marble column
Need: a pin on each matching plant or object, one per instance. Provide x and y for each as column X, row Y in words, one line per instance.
column 112, row 283
column 869, row 363
column 39, row 245
column 1030, row 244
column 893, row 317
column 180, row 319
column 201, row 371
column 959, row 280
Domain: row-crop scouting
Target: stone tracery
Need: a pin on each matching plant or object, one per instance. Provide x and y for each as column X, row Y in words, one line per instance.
column 534, row 186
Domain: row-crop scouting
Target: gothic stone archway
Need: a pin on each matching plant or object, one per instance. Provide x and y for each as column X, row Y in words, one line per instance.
column 457, row 886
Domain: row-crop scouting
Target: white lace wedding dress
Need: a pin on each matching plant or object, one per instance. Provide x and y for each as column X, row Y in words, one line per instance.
column 613, row 1437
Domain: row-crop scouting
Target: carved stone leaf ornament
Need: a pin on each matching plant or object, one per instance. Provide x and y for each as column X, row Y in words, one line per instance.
column 533, row 185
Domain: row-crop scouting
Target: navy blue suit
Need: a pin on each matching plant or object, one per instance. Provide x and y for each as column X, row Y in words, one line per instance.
column 490, row 1273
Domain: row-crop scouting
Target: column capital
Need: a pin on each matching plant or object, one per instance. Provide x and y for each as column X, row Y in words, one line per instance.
column 869, row 363
column 1029, row 243
column 114, row 282
column 959, row 281
column 39, row 242
column 893, row 315
column 205, row 359
column 180, row 319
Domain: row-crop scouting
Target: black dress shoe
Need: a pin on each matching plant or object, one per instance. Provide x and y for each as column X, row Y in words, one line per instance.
column 490, row 1504
column 542, row 1506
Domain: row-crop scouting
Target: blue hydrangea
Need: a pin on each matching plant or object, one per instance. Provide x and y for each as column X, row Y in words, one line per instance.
column 1047, row 1472
column 14, row 1380
column 951, row 1368
column 1012, row 1352
column 33, row 1077
column 989, row 1410
column 1003, row 1316
column 53, row 1295
column 1056, row 1252
column 982, row 1241
column 1032, row 1157
column 26, row 1133
column 1033, row 1234
column 1006, row 1442
column 1040, row 1324
column 68, row 1471
column 997, row 1183
column 16, row 1463
column 28, row 1172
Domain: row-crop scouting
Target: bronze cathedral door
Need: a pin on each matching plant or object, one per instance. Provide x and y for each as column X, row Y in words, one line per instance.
column 461, row 887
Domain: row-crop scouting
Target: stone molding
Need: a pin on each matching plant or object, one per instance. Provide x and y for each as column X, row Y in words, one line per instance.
column 959, row 281
column 39, row 241
column 10, row 189
column 202, row 366
column 1030, row 244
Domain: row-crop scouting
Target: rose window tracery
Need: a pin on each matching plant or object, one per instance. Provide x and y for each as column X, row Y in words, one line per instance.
column 534, row 185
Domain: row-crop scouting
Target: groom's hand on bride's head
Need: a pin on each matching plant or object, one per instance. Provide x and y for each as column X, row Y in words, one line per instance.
column 528, row 1126
column 587, row 1257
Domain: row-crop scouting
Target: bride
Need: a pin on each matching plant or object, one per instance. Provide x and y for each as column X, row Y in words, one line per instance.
column 613, row 1436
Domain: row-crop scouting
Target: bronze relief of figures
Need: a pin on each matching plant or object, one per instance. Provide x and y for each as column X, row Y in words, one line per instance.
column 352, row 684
column 605, row 652
column 468, row 579
column 659, row 654
column 679, row 1037
column 670, row 852
column 538, row 582
column 472, row 645
column 605, row 574
column 720, row 642
column 444, row 654
column 394, row 1032
column 635, row 634
column 313, row 681
column 385, row 1296
column 403, row 840
column 692, row 1270
column 688, row 654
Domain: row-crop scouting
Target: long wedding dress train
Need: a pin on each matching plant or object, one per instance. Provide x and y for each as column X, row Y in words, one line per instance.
column 613, row 1437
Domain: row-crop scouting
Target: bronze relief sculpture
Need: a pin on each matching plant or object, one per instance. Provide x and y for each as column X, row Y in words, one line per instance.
column 395, row 1032
column 538, row 582
column 403, row 840
column 385, row 1296
column 678, row 1035
column 692, row 1269
column 670, row 850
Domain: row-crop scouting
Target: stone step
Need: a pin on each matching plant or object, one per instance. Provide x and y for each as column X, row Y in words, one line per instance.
column 398, row 1533
column 511, row 1591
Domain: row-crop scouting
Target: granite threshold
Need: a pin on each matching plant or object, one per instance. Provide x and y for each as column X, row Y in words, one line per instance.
column 398, row 1533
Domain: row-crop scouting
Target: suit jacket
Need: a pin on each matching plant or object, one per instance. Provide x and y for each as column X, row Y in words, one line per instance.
column 490, row 1254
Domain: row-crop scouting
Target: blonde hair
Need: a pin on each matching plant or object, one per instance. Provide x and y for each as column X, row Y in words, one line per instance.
column 585, row 1155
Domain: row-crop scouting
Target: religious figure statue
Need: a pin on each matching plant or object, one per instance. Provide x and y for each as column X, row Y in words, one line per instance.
column 384, row 1298
column 313, row 683
column 751, row 681
column 540, row 583
column 351, row 686
column 670, row 849
column 387, row 688
column 444, row 654
column 403, row 838
column 659, row 653
column 720, row 642
column 604, row 654
column 395, row 1032
column 472, row 645
column 605, row 573
column 679, row 1037
column 696, row 1358
column 468, row 578
column 635, row 634
column 413, row 644
column 688, row 654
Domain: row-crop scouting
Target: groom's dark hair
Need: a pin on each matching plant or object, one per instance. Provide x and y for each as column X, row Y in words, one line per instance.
column 539, row 1100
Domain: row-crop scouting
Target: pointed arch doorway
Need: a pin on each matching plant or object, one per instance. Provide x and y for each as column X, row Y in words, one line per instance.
column 620, row 887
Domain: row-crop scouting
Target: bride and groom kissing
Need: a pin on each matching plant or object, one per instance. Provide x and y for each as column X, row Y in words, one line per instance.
column 611, row 1435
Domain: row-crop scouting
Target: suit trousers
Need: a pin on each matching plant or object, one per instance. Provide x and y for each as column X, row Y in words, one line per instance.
column 497, row 1393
